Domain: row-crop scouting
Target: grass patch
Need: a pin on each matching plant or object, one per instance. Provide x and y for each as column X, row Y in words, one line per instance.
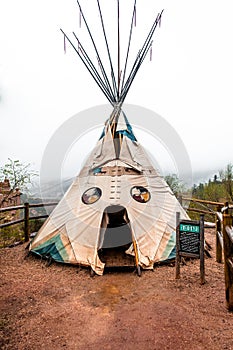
column 15, row 233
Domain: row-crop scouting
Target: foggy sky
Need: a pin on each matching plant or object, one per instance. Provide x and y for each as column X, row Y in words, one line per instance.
column 188, row 82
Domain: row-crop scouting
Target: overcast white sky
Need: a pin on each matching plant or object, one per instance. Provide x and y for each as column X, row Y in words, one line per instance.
column 189, row 81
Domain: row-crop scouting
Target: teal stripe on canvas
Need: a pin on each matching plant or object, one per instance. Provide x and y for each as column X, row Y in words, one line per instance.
column 53, row 248
column 168, row 251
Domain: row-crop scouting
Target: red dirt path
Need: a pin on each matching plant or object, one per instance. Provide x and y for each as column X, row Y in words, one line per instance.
column 58, row 308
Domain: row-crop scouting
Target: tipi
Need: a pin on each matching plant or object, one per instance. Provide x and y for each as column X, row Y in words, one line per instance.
column 118, row 198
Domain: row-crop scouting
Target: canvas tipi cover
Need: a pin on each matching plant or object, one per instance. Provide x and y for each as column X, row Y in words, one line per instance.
column 117, row 177
column 117, row 173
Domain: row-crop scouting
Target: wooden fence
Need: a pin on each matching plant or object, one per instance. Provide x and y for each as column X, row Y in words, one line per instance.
column 224, row 240
column 224, row 246
column 26, row 216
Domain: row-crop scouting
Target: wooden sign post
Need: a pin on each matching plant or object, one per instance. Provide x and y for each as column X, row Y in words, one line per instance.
column 190, row 242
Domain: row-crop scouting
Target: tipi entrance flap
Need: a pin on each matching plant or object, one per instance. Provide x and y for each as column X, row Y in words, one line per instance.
column 88, row 257
column 148, row 232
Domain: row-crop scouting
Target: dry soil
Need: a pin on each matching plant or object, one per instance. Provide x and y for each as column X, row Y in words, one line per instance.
column 62, row 307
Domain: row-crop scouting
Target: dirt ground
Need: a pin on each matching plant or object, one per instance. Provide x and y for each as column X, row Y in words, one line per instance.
column 61, row 307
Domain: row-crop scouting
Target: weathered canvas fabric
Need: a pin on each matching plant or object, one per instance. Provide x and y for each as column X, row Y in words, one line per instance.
column 117, row 173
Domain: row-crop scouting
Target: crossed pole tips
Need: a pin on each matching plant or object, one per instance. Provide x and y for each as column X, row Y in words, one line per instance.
column 114, row 88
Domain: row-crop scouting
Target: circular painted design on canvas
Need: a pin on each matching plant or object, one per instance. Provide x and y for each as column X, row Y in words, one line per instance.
column 91, row 195
column 140, row 194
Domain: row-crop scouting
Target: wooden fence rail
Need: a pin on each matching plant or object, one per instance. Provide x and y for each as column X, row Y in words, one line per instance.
column 203, row 201
column 210, row 211
column 201, row 211
column 26, row 218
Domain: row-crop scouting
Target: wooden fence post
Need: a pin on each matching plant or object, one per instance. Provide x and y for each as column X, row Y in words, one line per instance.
column 177, row 245
column 26, row 222
column 218, row 243
column 227, row 207
column 202, row 243
column 227, row 221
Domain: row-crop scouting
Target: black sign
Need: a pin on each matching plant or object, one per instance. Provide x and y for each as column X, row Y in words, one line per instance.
column 189, row 237
column 190, row 242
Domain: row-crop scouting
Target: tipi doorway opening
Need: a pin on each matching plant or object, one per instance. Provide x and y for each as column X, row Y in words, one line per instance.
column 115, row 237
